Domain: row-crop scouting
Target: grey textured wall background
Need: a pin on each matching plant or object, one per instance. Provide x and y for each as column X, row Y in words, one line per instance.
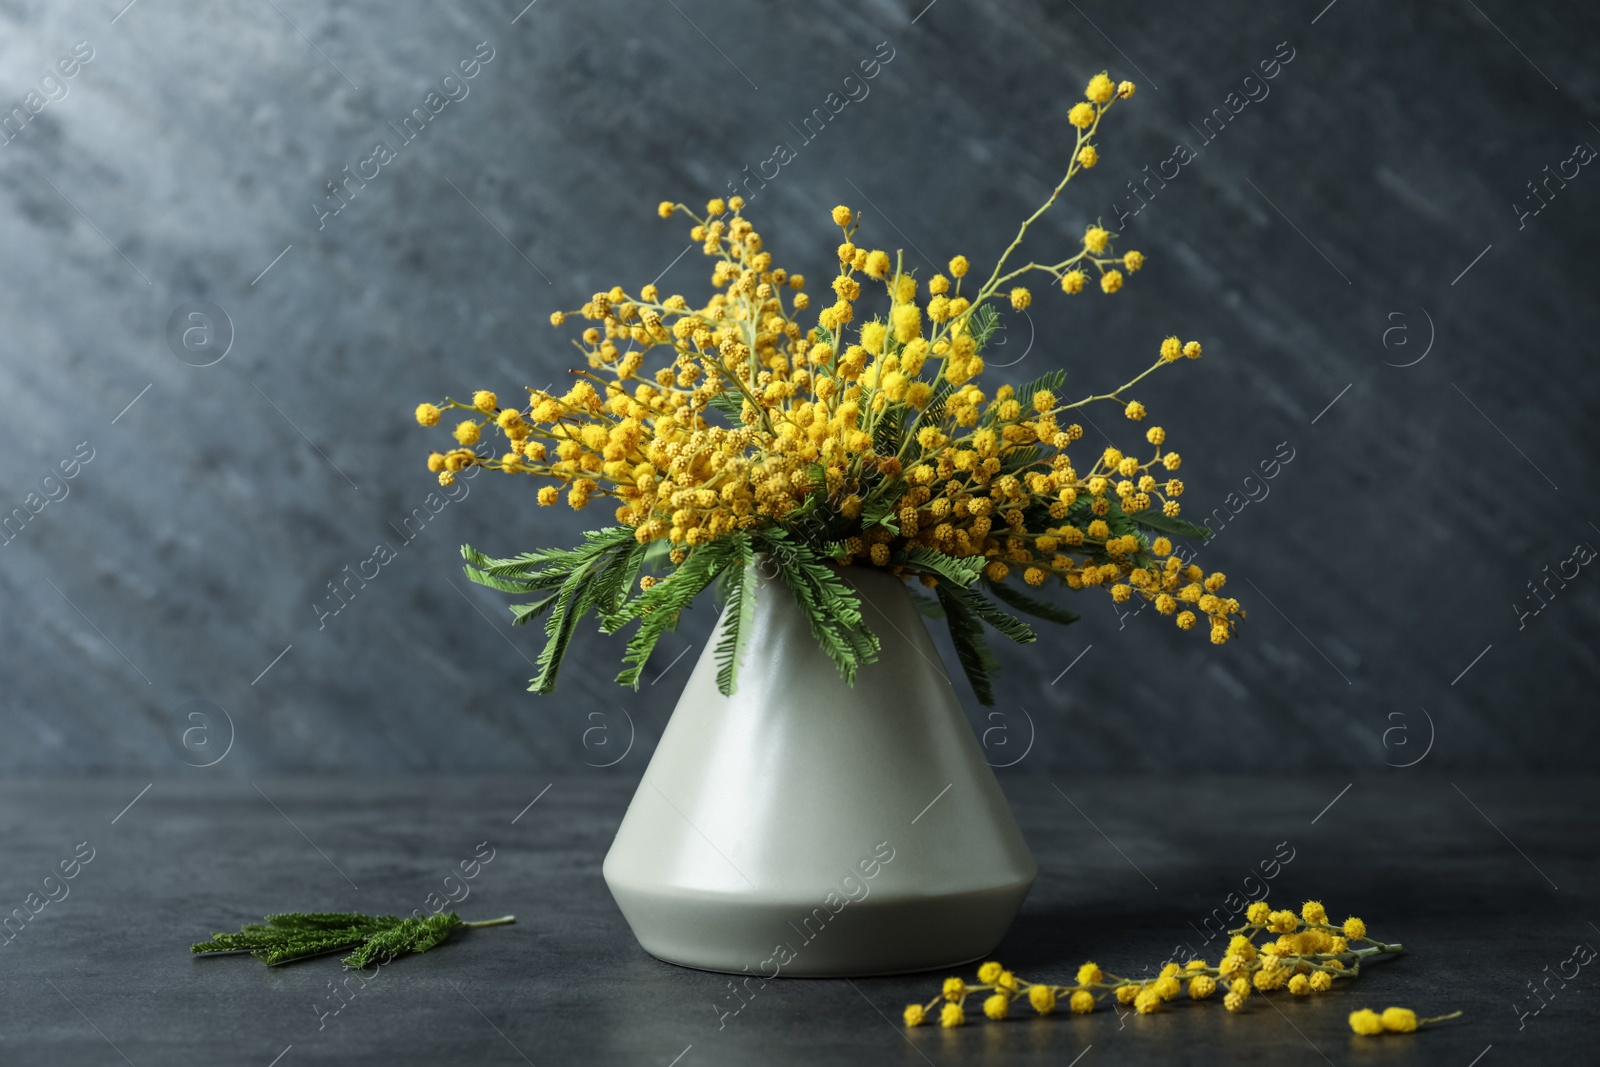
column 1380, row 572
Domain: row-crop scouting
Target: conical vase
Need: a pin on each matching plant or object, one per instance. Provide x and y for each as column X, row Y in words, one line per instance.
column 806, row 827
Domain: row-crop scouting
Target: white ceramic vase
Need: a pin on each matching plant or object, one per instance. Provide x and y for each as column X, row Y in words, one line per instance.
column 804, row 827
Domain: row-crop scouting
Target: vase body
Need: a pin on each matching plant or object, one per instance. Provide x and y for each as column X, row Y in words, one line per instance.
column 805, row 827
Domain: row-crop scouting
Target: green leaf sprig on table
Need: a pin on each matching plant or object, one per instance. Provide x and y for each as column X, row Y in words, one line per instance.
column 374, row 938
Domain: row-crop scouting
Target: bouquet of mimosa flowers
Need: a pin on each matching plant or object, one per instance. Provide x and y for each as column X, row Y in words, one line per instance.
column 764, row 426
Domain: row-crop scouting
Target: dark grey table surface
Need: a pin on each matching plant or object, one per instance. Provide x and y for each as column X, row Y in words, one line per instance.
column 1486, row 880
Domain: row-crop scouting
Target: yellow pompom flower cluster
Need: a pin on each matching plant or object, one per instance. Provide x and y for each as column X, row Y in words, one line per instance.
column 1307, row 956
column 1393, row 1020
column 840, row 423
column 879, row 416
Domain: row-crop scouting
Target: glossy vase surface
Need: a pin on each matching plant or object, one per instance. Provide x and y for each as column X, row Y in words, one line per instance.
column 805, row 827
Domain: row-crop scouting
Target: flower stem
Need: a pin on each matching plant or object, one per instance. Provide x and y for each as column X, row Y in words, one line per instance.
column 493, row 922
column 1377, row 947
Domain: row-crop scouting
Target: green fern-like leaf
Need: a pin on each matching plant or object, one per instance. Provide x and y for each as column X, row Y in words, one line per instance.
column 616, row 579
column 542, row 569
column 295, row 936
column 880, row 512
column 736, row 618
column 569, row 607
column 966, row 632
column 410, row 935
column 886, row 434
column 829, row 604
column 526, row 573
column 596, row 574
column 574, row 600
column 1051, row 380
column 730, row 404
column 1018, row 458
column 1153, row 519
column 933, row 414
column 985, row 321
column 980, row 607
column 507, row 585
column 1023, row 602
column 927, row 606
column 657, row 609
column 658, row 556
column 522, row 614
column 962, row 570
